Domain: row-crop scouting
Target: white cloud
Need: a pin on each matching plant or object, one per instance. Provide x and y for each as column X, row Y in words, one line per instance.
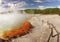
column 58, row 6
column 21, row 4
column 44, row 7
column 13, row 6
column 50, row 7
column 45, row 0
column 0, row 2
column 37, row 1
column 17, row 5
column 41, row 7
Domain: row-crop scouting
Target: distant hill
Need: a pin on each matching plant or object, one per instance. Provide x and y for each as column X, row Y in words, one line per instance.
column 45, row 11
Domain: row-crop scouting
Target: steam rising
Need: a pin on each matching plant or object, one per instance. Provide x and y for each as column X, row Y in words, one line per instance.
column 9, row 21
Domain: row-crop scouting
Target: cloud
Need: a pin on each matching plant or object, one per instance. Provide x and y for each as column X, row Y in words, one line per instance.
column 45, row 0
column 17, row 5
column 41, row 7
column 38, row 1
column 0, row 1
column 28, row 3
column 58, row 6
column 12, row 5
column 50, row 7
column 21, row 4
column 44, row 7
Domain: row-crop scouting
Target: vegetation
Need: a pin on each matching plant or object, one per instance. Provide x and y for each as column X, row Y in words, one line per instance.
column 45, row 11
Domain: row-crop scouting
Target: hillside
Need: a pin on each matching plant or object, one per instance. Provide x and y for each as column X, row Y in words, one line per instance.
column 44, row 11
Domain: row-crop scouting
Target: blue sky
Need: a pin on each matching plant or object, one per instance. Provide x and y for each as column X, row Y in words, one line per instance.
column 31, row 3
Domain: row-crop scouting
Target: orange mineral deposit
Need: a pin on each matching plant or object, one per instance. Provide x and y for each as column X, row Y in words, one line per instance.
column 19, row 31
column 14, row 24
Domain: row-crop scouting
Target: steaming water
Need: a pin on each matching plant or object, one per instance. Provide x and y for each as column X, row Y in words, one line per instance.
column 8, row 21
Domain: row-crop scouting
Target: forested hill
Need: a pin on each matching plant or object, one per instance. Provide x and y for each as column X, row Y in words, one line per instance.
column 45, row 11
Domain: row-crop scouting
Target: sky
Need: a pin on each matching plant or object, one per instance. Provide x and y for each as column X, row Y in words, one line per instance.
column 34, row 4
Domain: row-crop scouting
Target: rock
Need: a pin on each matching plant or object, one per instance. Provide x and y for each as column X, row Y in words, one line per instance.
column 23, row 40
column 41, row 30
